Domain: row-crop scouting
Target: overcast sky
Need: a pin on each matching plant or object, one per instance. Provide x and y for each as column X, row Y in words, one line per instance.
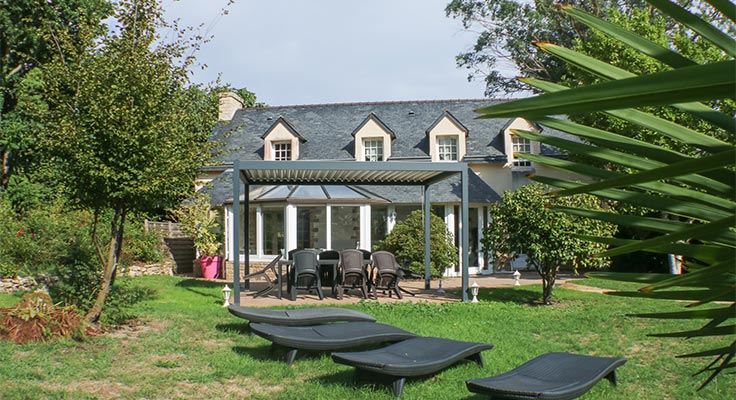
column 292, row 52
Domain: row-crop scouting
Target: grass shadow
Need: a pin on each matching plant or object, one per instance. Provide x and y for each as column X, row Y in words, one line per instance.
column 241, row 328
column 517, row 295
column 198, row 286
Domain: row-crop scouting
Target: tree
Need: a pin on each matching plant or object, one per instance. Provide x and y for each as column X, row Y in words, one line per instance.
column 27, row 27
column 698, row 188
column 406, row 241
column 508, row 30
column 526, row 223
column 124, row 125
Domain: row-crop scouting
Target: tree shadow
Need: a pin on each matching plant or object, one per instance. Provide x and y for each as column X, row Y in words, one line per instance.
column 511, row 295
column 241, row 328
column 200, row 287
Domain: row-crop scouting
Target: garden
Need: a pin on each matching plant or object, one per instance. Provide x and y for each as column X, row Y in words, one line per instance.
column 184, row 344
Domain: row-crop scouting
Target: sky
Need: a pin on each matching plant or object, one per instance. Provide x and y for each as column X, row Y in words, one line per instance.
column 292, row 52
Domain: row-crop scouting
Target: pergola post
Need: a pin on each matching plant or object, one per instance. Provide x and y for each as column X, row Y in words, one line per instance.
column 427, row 225
column 236, row 232
column 464, row 229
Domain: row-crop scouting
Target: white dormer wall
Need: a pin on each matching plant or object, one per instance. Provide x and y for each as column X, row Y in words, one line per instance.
column 445, row 128
column 372, row 130
column 522, row 125
column 280, row 133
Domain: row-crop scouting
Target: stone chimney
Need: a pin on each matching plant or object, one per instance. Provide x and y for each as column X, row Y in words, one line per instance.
column 229, row 103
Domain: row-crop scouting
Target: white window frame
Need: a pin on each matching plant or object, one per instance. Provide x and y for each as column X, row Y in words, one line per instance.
column 373, row 149
column 447, row 145
column 281, row 154
column 520, row 145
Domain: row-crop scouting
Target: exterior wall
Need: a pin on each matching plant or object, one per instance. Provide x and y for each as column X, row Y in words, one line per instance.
column 280, row 134
column 446, row 128
column 372, row 130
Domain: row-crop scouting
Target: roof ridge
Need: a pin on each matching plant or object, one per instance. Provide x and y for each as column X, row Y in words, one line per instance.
column 365, row 103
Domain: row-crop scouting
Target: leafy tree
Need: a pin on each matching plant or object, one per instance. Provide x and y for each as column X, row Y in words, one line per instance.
column 697, row 186
column 525, row 223
column 406, row 241
column 26, row 31
column 124, row 125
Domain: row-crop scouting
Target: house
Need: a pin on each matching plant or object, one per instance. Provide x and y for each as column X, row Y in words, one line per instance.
column 340, row 217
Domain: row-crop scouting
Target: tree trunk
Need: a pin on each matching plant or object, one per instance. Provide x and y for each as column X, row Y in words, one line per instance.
column 110, row 265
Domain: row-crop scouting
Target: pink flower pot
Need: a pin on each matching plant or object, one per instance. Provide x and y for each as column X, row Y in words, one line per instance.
column 210, row 266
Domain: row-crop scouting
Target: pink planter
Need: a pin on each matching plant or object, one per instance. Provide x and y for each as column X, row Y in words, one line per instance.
column 210, row 266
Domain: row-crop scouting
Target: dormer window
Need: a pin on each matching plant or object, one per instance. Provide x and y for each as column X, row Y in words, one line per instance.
column 514, row 144
column 373, row 140
column 520, row 145
column 281, row 141
column 447, row 138
column 373, row 149
column 447, row 148
column 282, row 151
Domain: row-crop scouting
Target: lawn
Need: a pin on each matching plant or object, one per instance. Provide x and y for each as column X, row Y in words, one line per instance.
column 186, row 346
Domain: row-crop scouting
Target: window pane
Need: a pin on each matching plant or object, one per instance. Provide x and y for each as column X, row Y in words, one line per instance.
column 521, row 145
column 447, row 148
column 373, row 150
column 282, row 151
column 345, row 227
column 311, row 228
column 251, row 230
column 273, row 230
column 379, row 225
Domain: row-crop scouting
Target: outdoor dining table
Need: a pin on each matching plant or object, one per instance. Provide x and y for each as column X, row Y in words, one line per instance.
column 333, row 264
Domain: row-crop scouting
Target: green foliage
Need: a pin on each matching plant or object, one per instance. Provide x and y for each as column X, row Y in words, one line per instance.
column 141, row 246
column 693, row 189
column 406, row 242
column 526, row 222
column 201, row 224
column 120, row 305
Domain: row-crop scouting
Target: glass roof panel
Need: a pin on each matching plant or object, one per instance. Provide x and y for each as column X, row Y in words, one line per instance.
column 278, row 192
column 342, row 192
column 308, row 192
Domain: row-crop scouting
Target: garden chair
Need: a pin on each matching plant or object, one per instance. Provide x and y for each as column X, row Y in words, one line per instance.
column 329, row 258
column 304, row 273
column 387, row 274
column 352, row 272
column 558, row 376
column 264, row 273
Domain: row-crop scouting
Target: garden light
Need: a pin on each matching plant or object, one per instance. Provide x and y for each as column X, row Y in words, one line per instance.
column 517, row 275
column 226, row 294
column 474, row 291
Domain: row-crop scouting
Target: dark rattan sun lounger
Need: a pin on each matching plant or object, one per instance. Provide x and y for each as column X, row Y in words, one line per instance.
column 412, row 357
column 328, row 337
column 552, row 376
column 299, row 316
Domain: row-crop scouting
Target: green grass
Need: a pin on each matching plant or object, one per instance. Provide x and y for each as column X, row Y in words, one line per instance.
column 189, row 347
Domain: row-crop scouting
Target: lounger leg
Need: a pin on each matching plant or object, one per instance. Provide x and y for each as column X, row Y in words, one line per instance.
column 398, row 293
column 612, row 377
column 478, row 358
column 398, row 386
column 290, row 356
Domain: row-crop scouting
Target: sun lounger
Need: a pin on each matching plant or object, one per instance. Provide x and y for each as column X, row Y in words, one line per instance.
column 412, row 357
column 299, row 316
column 328, row 337
column 552, row 376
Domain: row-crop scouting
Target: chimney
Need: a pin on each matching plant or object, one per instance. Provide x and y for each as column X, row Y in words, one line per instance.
column 229, row 103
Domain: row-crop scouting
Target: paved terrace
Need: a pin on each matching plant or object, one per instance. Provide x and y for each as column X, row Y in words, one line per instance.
column 353, row 296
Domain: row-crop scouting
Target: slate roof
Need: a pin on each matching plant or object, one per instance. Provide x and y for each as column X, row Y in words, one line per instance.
column 327, row 133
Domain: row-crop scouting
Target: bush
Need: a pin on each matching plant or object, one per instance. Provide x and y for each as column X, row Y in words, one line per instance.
column 141, row 246
column 406, row 241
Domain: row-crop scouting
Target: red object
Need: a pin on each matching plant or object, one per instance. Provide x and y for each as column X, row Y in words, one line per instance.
column 210, row 266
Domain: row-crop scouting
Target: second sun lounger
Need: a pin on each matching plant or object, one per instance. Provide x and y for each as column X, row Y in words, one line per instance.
column 328, row 337
column 412, row 357
column 299, row 316
column 551, row 376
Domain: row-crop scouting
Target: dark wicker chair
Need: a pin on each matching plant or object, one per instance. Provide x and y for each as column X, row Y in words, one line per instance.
column 352, row 272
column 387, row 273
column 304, row 273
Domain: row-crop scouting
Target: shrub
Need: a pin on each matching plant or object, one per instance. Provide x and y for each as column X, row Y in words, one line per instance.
column 141, row 246
column 406, row 241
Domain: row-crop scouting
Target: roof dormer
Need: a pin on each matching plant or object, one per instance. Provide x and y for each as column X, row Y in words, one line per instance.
column 447, row 138
column 516, row 144
column 281, row 141
column 373, row 140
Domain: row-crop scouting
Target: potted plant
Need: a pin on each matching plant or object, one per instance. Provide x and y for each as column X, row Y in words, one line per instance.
column 200, row 223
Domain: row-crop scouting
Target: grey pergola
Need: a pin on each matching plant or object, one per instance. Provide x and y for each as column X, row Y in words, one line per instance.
column 347, row 173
